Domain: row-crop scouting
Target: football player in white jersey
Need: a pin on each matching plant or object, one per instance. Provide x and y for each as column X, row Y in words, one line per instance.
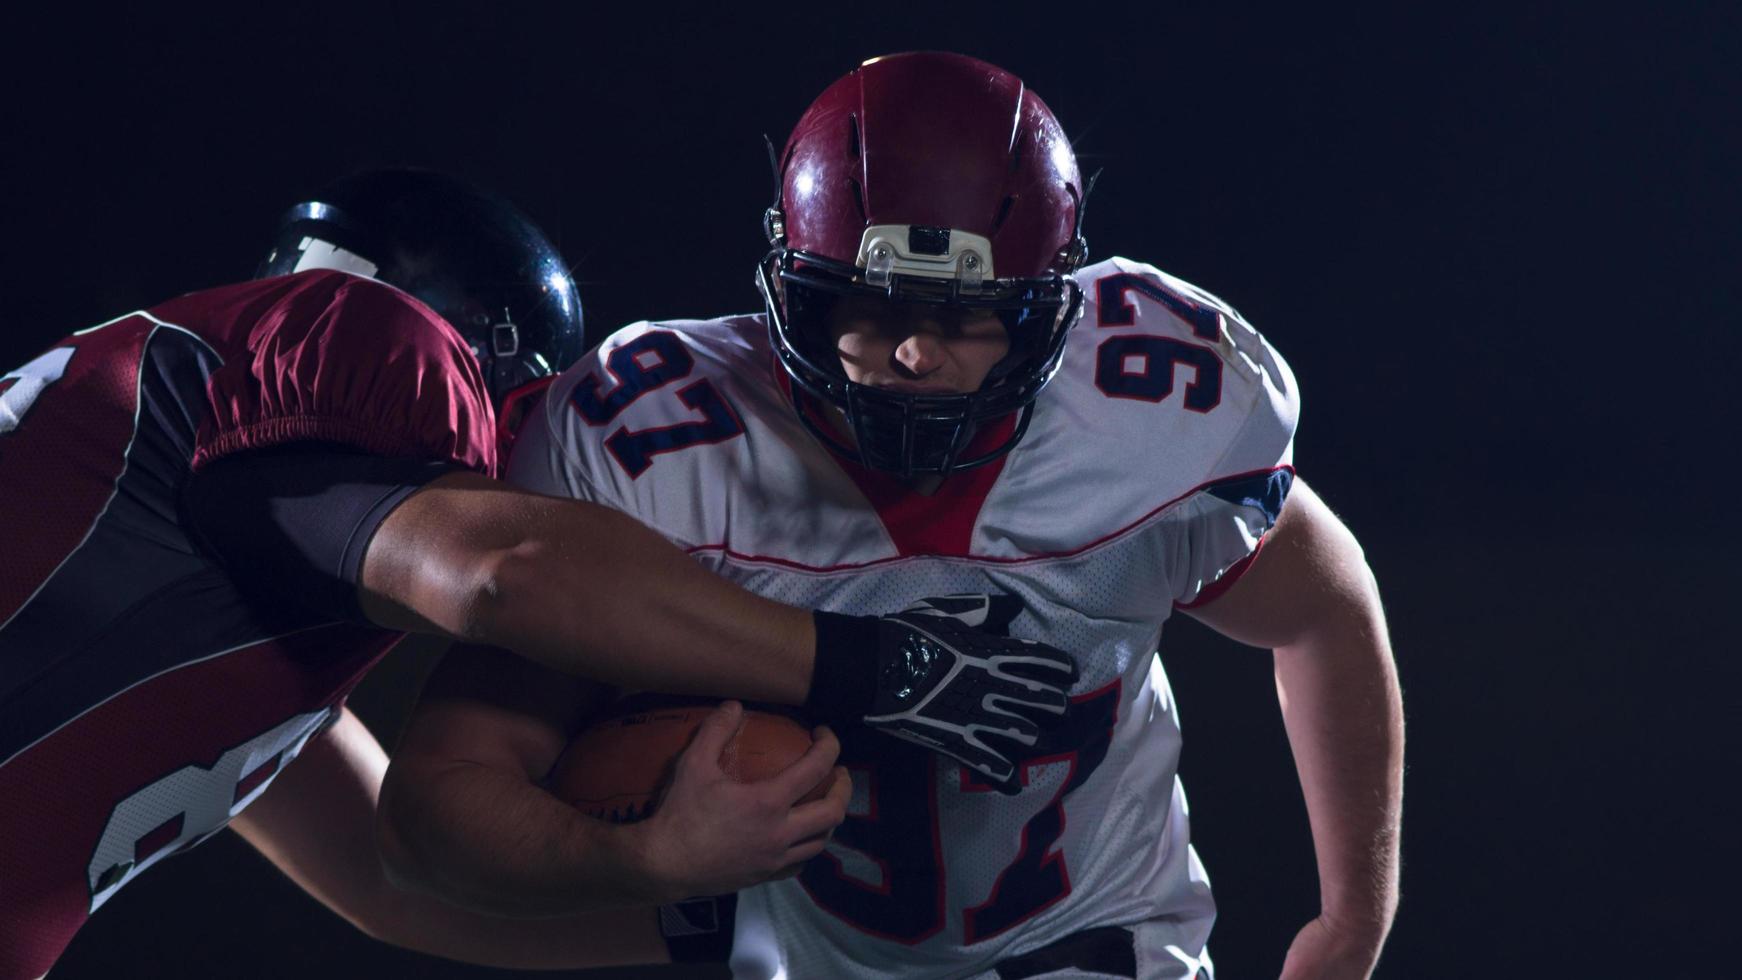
column 942, row 402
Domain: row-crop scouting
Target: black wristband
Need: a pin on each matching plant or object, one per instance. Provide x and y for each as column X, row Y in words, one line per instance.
column 844, row 674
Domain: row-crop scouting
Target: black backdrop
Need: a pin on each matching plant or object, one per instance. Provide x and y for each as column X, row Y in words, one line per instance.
column 1499, row 249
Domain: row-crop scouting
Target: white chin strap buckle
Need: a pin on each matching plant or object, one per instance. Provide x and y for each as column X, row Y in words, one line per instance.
column 924, row 250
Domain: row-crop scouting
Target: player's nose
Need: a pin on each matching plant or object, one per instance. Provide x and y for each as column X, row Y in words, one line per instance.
column 920, row 354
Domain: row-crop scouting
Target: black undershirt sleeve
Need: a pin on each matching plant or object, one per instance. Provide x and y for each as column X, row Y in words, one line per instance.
column 292, row 523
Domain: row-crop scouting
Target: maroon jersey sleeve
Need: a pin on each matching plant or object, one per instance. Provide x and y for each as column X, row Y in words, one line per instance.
column 330, row 357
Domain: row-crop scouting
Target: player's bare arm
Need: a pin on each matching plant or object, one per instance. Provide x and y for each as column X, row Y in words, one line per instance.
column 1311, row 597
column 464, row 817
column 555, row 580
column 587, row 590
column 316, row 824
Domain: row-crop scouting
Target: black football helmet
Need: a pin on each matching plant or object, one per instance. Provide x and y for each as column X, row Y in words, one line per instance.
column 468, row 254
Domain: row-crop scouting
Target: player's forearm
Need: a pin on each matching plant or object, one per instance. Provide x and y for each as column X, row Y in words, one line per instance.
column 317, row 824
column 1344, row 714
column 600, row 594
column 489, row 840
column 582, row 589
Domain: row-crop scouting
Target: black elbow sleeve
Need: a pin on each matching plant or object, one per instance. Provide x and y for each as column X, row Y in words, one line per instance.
column 293, row 523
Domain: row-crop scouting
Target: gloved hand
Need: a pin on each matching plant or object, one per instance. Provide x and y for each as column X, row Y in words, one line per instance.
column 949, row 678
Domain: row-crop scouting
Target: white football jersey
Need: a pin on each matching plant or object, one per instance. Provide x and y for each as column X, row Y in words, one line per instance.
column 1156, row 459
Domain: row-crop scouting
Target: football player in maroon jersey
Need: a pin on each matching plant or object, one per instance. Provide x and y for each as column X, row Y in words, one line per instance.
column 220, row 511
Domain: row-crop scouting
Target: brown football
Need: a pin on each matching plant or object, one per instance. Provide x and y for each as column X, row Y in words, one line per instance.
column 616, row 768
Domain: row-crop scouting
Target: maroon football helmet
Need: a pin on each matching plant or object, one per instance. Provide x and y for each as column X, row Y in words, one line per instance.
column 925, row 178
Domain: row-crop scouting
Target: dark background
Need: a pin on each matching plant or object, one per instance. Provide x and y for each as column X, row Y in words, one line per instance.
column 1499, row 249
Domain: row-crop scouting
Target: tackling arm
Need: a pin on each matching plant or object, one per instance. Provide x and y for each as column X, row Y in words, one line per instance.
column 574, row 585
column 1311, row 597
column 587, row 590
column 316, row 823
column 581, row 588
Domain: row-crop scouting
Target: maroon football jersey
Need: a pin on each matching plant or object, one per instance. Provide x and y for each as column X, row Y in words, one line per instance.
column 144, row 699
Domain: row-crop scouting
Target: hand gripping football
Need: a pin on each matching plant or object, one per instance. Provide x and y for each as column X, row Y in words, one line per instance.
column 617, row 768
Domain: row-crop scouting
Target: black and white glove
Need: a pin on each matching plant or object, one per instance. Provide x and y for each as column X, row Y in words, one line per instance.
column 943, row 675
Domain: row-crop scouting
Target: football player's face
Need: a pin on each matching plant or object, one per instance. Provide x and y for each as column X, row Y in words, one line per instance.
column 916, row 347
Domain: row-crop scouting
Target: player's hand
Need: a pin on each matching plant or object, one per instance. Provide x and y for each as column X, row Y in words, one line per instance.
column 950, row 679
column 711, row 834
column 1323, row 951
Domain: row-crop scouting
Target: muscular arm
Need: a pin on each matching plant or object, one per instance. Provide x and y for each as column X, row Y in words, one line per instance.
column 463, row 815
column 317, row 824
column 582, row 589
column 413, row 544
column 409, row 544
column 451, row 792
column 1311, row 597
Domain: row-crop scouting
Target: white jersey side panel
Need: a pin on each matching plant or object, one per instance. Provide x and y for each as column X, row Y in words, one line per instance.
column 1156, row 459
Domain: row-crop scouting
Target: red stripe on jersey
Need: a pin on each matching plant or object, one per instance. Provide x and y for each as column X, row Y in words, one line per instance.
column 939, row 523
column 251, row 782
column 165, row 834
column 517, row 406
column 1214, row 590
column 988, row 559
